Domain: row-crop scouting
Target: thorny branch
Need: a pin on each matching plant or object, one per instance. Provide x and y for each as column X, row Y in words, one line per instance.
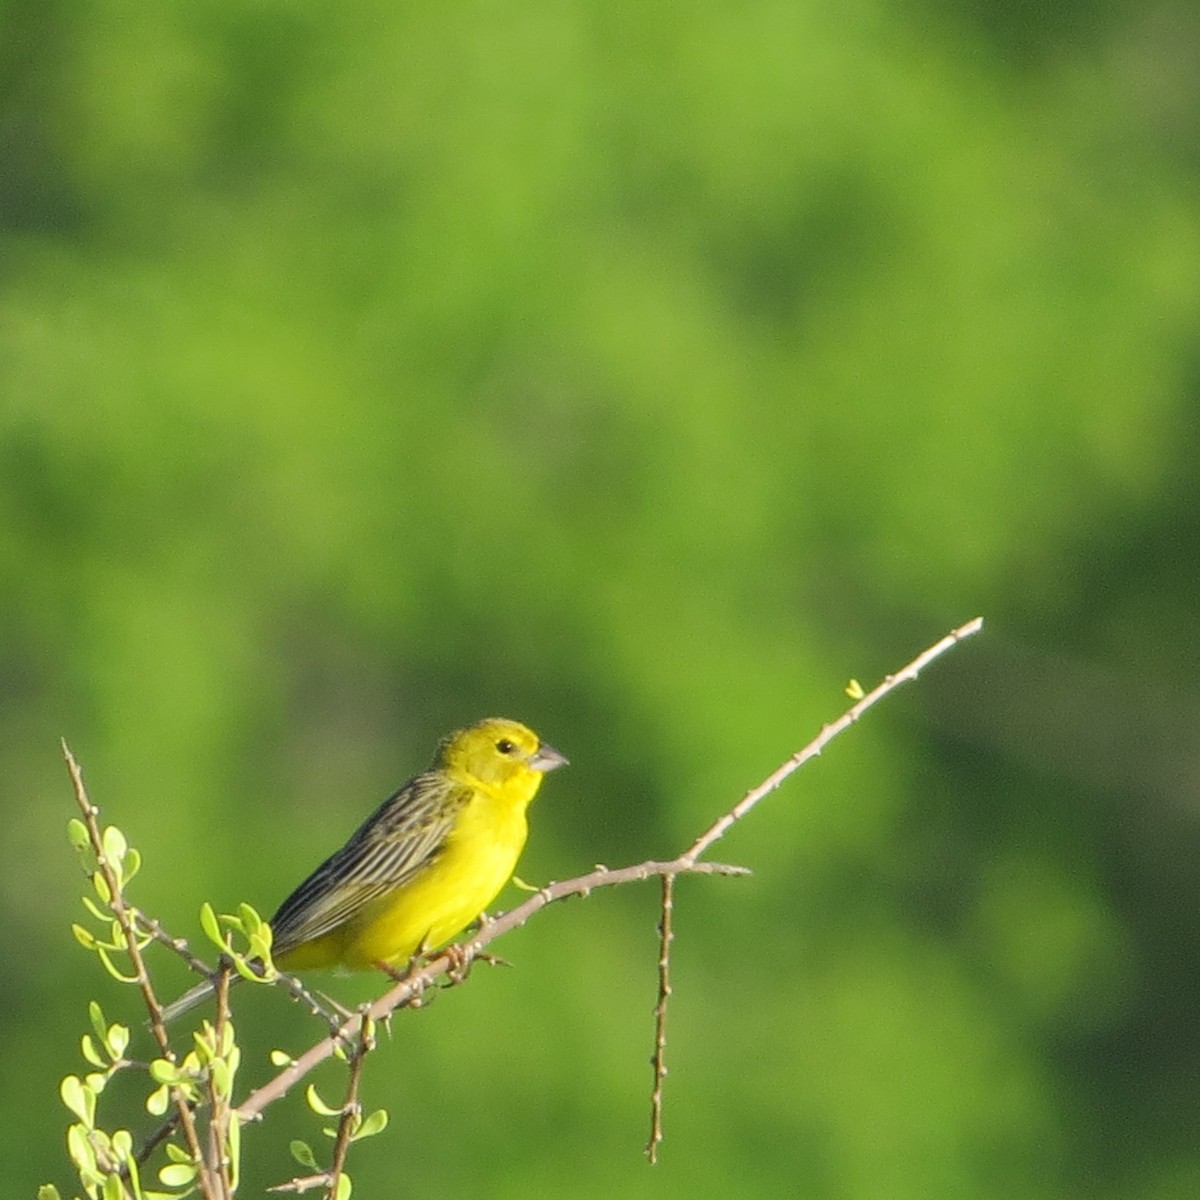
column 354, row 1030
column 659, row 1059
column 410, row 988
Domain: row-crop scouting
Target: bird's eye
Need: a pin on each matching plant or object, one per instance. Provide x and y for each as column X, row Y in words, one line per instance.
column 505, row 746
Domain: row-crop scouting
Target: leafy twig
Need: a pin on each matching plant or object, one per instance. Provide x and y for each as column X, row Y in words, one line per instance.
column 209, row 1187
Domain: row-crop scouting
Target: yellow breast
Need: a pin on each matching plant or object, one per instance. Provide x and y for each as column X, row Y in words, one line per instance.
column 477, row 860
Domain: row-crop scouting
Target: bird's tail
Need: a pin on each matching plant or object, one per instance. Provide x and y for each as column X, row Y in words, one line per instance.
column 193, row 997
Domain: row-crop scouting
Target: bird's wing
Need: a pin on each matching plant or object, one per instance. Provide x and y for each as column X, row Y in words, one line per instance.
column 392, row 846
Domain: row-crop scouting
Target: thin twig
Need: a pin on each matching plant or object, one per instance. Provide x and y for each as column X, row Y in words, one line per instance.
column 302, row 1183
column 219, row 1111
column 176, row 945
column 413, row 985
column 905, row 675
column 351, row 1108
column 121, row 912
column 659, row 1059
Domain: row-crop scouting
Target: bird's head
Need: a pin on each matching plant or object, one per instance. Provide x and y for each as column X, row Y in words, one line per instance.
column 499, row 754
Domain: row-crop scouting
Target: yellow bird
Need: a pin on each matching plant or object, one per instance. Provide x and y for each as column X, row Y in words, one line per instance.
column 423, row 866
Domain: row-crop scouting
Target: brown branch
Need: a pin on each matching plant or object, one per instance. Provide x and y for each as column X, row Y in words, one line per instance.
column 905, row 675
column 414, row 984
column 351, row 1108
column 409, row 989
column 659, row 1059
column 122, row 912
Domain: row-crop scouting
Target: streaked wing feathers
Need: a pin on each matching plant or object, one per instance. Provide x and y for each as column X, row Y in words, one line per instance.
column 390, row 848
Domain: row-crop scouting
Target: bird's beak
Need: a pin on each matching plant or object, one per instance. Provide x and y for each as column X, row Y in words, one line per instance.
column 546, row 758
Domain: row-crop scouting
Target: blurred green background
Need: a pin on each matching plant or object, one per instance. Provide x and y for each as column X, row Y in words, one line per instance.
column 643, row 372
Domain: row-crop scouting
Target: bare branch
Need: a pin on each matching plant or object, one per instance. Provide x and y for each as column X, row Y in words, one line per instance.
column 659, row 1059
column 415, row 982
column 905, row 675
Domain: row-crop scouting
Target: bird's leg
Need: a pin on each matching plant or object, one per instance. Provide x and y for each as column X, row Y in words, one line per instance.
column 492, row 960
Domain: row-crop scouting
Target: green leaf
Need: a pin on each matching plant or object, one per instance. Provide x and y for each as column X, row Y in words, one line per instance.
column 281, row 1058
column 158, row 1101
column 48, row 1192
column 112, row 968
column 212, row 927
column 163, row 1070
column 114, row 1189
column 85, row 937
column 99, row 1024
column 80, row 1149
column 177, row 1174
column 79, row 1098
column 222, row 1077
column 95, row 1082
column 235, row 1148
column 122, row 1144
column 101, row 886
column 115, row 846
column 375, row 1123
column 90, row 1052
column 77, row 833
column 249, row 920
column 99, row 913
column 131, row 866
column 118, row 1040
column 177, row 1153
column 344, row 1187
column 303, row 1154
column 318, row 1105
column 246, row 971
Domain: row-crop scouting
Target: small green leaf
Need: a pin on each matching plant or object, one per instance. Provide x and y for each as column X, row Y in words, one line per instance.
column 85, row 937
column 90, row 1052
column 80, row 1099
column 177, row 1153
column 122, row 1144
column 114, row 1189
column 131, row 866
column 162, row 1070
column 101, row 886
column 99, row 913
column 99, row 1024
column 114, row 845
column 302, row 1153
column 344, row 1187
column 235, row 1147
column 112, row 968
column 222, row 1078
column 118, row 1040
column 95, row 1082
column 260, row 942
column 281, row 1058
column 158, row 1101
column 177, row 1174
column 77, row 833
column 81, row 1150
column 370, row 1126
column 48, row 1192
column 249, row 920
column 318, row 1105
column 212, row 927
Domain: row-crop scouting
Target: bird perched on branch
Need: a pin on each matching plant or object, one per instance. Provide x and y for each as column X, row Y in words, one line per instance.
column 423, row 866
